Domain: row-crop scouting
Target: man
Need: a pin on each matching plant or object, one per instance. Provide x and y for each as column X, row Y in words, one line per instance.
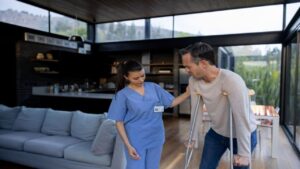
column 212, row 82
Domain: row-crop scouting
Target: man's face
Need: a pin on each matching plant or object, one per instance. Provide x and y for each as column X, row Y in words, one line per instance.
column 192, row 68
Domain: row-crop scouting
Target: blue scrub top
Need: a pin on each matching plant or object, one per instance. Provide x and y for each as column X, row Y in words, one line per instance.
column 144, row 127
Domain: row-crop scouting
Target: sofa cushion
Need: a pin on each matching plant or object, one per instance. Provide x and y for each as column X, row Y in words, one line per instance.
column 57, row 122
column 50, row 145
column 84, row 126
column 4, row 107
column 15, row 140
column 8, row 116
column 30, row 119
column 4, row 131
column 81, row 152
column 105, row 139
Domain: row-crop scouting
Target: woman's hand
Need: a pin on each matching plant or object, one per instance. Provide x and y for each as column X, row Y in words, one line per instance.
column 187, row 90
column 133, row 153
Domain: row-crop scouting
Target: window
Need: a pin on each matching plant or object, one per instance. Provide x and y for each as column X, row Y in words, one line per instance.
column 259, row 66
column 291, row 10
column 161, row 27
column 21, row 14
column 67, row 26
column 121, row 31
column 257, row 19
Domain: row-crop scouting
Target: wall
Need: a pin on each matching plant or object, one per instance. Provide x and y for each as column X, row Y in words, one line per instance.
column 16, row 66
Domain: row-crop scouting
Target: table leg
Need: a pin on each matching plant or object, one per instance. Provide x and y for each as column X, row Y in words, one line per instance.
column 275, row 132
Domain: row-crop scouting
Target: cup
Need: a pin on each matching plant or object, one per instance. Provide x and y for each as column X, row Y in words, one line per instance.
column 40, row 56
column 49, row 56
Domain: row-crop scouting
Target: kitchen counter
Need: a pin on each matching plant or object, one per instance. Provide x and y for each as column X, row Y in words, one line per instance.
column 43, row 91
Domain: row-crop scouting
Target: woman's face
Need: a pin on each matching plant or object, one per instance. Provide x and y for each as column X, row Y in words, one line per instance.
column 136, row 78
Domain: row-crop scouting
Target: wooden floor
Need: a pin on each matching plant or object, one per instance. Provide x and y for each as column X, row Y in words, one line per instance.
column 173, row 153
column 177, row 131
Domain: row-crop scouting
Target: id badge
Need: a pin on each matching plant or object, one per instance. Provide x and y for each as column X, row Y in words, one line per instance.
column 159, row 109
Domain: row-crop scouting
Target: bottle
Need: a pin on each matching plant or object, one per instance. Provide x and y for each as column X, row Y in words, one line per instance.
column 56, row 88
column 86, row 84
column 51, row 90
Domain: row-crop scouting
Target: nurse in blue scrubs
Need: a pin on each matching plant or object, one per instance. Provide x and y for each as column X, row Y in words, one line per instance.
column 137, row 109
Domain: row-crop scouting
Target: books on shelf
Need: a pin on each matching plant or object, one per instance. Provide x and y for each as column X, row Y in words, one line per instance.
column 164, row 71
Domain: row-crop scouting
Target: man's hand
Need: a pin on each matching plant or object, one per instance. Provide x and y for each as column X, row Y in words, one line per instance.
column 191, row 145
column 240, row 160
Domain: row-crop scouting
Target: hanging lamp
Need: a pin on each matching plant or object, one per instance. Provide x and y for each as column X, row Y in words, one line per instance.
column 76, row 37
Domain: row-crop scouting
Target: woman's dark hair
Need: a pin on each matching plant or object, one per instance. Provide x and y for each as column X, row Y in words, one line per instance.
column 123, row 70
column 199, row 51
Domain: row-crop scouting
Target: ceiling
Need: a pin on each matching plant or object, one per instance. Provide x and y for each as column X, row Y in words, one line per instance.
column 96, row 11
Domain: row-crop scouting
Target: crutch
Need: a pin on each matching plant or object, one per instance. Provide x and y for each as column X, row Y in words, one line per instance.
column 230, row 131
column 189, row 149
column 231, row 135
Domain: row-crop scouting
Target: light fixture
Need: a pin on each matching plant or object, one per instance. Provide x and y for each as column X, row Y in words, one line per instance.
column 76, row 37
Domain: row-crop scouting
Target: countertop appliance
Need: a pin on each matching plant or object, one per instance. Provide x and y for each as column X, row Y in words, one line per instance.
column 185, row 107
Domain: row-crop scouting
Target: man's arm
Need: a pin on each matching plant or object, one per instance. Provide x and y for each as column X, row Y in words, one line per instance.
column 239, row 102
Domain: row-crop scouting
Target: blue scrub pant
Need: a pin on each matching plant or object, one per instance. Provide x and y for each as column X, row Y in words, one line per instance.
column 150, row 159
column 214, row 147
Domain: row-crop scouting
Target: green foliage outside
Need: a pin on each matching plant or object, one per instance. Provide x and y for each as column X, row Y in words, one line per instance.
column 183, row 34
column 121, row 32
column 62, row 27
column 265, row 80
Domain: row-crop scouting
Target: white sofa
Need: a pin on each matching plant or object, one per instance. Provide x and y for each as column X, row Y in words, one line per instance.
column 53, row 139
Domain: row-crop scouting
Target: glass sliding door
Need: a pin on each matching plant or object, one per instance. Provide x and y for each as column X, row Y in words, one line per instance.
column 290, row 88
column 297, row 104
column 291, row 116
column 259, row 66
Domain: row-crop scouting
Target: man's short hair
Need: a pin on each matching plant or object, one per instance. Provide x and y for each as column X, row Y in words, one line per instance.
column 199, row 51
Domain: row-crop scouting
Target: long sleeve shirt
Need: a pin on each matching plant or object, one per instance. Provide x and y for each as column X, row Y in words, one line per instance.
column 218, row 108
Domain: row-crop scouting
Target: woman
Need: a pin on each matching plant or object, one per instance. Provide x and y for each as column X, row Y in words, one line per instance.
column 137, row 109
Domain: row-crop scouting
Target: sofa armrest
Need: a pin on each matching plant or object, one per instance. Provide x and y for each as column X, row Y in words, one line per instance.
column 118, row 157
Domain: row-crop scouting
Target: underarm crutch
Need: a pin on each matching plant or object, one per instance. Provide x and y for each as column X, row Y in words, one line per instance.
column 230, row 131
column 231, row 135
column 189, row 149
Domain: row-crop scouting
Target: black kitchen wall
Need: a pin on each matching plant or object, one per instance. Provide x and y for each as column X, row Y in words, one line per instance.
column 9, row 37
column 17, row 65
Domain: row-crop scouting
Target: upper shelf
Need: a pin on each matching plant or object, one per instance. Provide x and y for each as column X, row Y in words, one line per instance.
column 159, row 64
column 45, row 60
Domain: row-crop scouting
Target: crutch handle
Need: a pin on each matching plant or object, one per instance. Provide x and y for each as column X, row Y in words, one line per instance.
column 225, row 93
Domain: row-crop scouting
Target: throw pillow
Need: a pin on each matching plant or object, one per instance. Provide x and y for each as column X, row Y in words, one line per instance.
column 30, row 119
column 57, row 122
column 84, row 126
column 105, row 139
column 8, row 117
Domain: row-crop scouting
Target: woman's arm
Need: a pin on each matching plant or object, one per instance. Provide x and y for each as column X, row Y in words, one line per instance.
column 181, row 98
column 131, row 150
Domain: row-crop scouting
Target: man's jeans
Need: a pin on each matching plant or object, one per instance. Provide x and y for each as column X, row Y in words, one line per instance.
column 214, row 147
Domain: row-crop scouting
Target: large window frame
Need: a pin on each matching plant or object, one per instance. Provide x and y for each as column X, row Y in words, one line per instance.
column 148, row 26
column 88, row 36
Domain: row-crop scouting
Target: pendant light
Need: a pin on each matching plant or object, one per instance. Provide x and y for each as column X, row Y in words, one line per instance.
column 76, row 37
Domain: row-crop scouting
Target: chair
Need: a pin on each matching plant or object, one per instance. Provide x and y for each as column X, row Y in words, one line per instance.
column 264, row 123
